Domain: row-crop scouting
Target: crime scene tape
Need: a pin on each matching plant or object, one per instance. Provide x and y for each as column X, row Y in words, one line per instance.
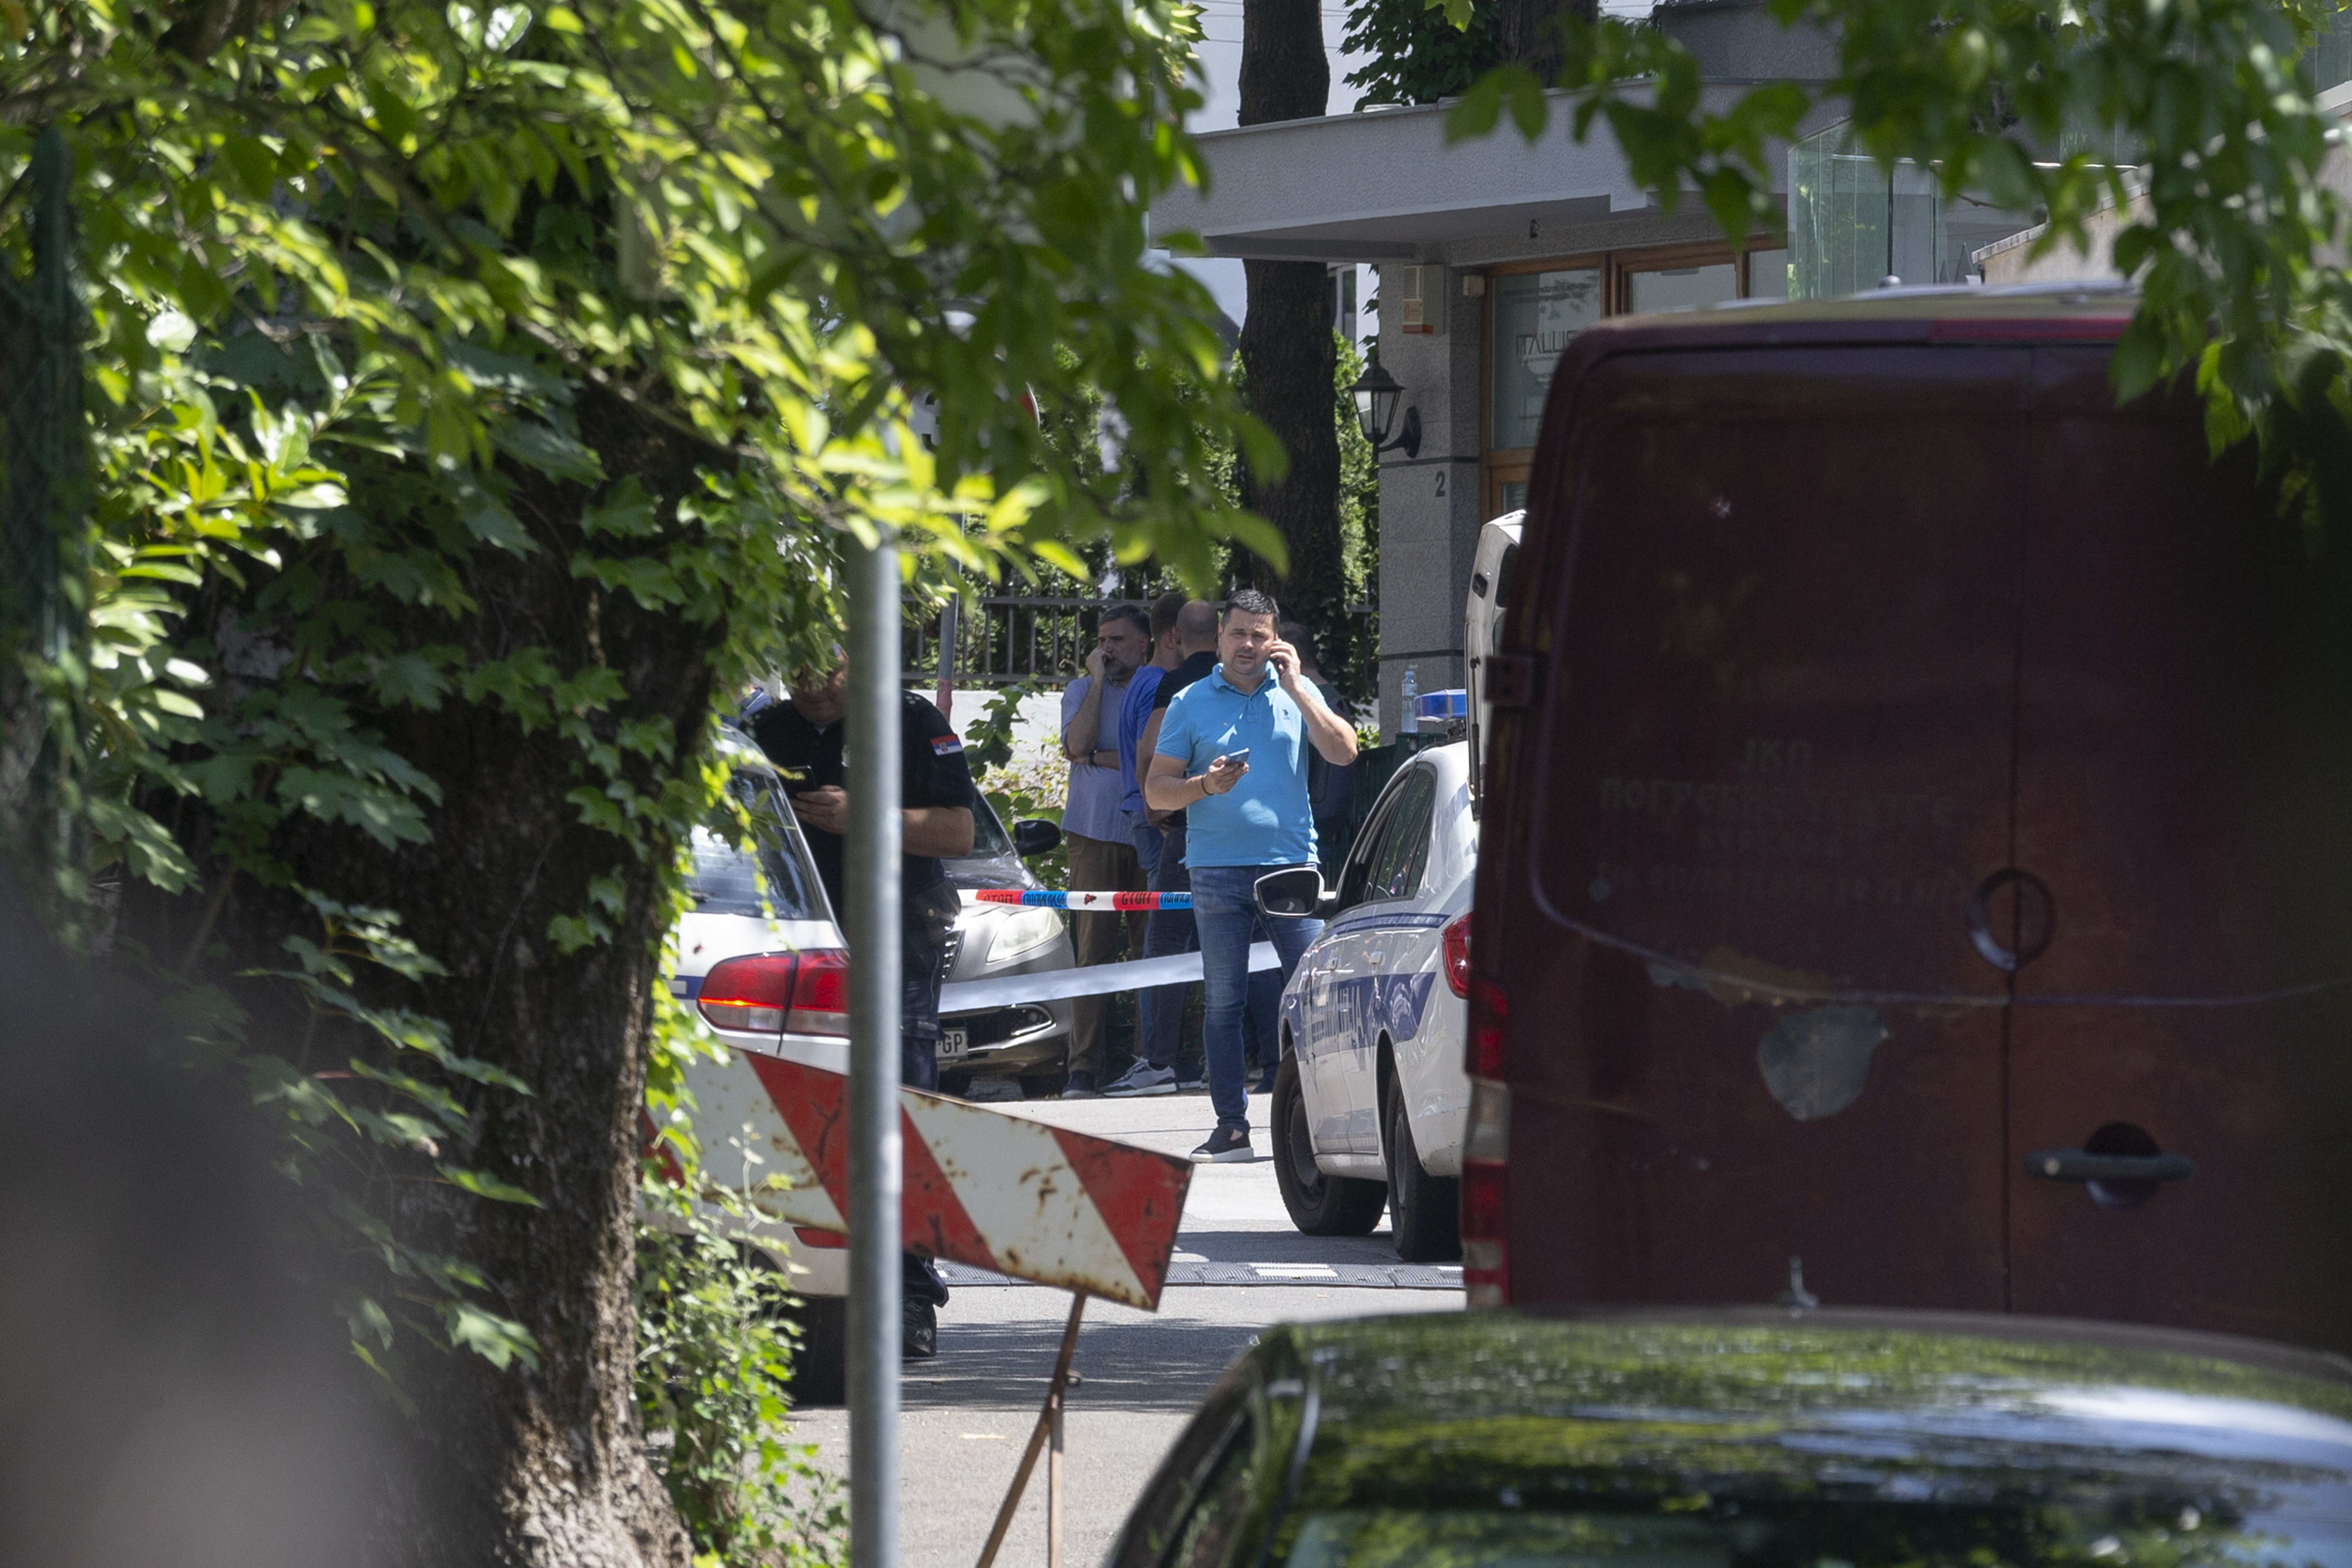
column 1038, row 898
column 1059, row 984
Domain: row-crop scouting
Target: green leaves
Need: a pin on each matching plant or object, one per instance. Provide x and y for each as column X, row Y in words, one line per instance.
column 367, row 343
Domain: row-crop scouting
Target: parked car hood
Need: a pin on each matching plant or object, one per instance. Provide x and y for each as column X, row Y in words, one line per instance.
column 1570, row 1411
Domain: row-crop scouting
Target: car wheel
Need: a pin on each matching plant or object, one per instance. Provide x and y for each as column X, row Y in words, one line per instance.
column 821, row 1352
column 821, row 1359
column 1044, row 1085
column 1425, row 1210
column 955, row 1083
column 1318, row 1205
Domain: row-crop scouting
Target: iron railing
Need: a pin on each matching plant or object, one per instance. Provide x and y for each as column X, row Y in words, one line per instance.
column 1010, row 638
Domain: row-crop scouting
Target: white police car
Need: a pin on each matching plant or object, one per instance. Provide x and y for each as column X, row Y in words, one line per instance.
column 1369, row 1103
column 760, row 957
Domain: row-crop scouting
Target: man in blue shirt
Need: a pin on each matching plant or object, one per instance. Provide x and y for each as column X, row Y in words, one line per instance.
column 1233, row 755
column 1167, row 1013
column 1134, row 711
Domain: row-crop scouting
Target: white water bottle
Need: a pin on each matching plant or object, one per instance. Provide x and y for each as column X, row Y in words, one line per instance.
column 1411, row 702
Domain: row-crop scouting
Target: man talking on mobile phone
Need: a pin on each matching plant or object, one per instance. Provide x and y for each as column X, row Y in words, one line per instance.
column 1233, row 754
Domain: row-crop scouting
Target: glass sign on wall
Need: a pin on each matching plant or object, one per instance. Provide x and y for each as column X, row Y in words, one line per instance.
column 1536, row 314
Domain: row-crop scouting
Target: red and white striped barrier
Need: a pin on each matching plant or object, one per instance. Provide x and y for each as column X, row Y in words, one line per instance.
column 981, row 1187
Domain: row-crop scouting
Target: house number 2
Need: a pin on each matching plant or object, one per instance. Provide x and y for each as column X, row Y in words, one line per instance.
column 1440, row 481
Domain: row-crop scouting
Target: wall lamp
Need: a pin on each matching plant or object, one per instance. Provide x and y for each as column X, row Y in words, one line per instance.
column 1377, row 396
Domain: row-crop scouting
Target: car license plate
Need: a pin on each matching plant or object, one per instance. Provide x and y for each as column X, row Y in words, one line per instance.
column 954, row 1042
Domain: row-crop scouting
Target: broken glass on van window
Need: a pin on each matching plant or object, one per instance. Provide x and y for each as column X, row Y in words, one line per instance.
column 1535, row 316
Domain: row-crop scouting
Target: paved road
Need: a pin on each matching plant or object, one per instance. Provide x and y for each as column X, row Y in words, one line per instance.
column 968, row 1413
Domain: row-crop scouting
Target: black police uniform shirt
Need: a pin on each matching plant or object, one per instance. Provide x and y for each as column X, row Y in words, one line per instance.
column 932, row 773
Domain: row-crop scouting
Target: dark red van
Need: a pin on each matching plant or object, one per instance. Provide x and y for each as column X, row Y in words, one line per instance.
column 1931, row 794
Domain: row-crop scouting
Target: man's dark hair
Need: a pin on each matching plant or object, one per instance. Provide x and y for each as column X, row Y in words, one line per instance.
column 1302, row 639
column 1249, row 602
column 1164, row 611
column 1133, row 615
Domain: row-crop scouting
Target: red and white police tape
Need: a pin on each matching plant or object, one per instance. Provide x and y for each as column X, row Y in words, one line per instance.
column 981, row 1187
column 1040, row 899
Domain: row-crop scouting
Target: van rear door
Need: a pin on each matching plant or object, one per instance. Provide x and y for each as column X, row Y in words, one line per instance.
column 1772, row 761
column 2185, row 820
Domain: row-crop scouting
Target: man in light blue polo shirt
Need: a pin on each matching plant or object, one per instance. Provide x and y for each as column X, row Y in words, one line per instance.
column 1232, row 755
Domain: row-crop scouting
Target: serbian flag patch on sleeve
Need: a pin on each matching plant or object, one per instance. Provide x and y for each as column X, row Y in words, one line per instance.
column 945, row 745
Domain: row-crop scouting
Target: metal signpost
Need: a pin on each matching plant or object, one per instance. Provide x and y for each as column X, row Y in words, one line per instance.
column 875, row 1326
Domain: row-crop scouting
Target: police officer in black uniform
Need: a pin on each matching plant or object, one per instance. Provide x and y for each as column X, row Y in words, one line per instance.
column 805, row 738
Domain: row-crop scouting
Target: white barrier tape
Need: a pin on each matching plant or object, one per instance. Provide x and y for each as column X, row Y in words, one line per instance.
column 1059, row 984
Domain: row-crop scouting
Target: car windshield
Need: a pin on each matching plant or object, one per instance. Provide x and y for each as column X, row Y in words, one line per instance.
column 988, row 836
column 2139, row 1531
column 992, row 863
column 772, row 877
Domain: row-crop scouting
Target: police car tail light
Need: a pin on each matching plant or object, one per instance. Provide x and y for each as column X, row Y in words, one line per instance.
column 1457, row 954
column 1486, row 1196
column 748, row 995
column 821, row 994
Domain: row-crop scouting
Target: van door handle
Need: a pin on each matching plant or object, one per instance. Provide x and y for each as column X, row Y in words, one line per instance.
column 2075, row 1165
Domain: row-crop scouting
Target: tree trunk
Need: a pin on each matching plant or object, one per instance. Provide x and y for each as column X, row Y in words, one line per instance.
column 524, row 1465
column 1527, row 31
column 1288, row 357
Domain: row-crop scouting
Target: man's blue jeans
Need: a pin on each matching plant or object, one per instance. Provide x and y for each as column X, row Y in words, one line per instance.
column 1160, row 1009
column 1225, row 908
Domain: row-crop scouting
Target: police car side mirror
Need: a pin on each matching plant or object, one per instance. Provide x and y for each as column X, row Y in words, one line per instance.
column 1295, row 894
column 1034, row 835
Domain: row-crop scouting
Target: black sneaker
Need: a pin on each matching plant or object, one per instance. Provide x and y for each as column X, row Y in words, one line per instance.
column 920, row 1322
column 1226, row 1146
column 1081, row 1086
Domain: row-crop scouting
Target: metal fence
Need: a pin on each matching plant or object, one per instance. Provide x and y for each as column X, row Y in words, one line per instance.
column 1011, row 639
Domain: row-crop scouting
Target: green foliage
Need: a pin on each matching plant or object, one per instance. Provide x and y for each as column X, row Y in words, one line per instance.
column 2228, row 230
column 992, row 737
column 1017, row 784
column 1359, row 534
column 1418, row 54
column 714, row 1363
column 392, row 302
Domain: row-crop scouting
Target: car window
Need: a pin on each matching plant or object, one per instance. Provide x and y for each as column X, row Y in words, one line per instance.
column 1502, row 592
column 1396, row 866
column 992, row 863
column 1363, row 854
column 1192, row 1514
column 1204, row 1536
column 988, row 838
column 772, row 877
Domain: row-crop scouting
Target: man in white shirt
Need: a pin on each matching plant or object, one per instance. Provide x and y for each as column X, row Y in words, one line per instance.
column 1094, row 823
